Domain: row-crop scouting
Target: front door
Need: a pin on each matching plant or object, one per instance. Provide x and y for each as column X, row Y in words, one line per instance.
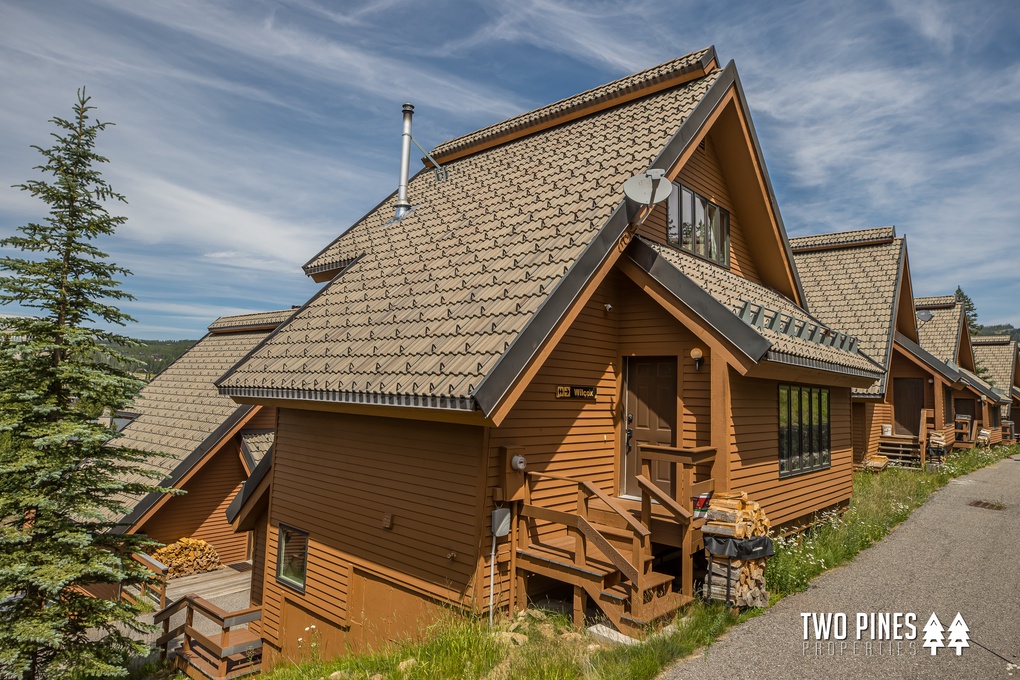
column 651, row 413
column 908, row 400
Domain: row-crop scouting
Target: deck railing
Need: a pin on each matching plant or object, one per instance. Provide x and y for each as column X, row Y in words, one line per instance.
column 229, row 653
column 159, row 589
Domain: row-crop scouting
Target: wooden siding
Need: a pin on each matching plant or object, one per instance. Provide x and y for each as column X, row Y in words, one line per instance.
column 583, row 438
column 703, row 173
column 754, row 459
column 337, row 476
column 258, row 566
column 201, row 511
column 264, row 419
column 868, row 429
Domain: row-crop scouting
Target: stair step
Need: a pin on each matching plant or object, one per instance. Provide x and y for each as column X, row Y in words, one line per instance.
column 658, row 608
column 549, row 562
column 653, row 581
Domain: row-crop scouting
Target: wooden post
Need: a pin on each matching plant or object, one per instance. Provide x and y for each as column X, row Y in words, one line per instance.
column 580, row 604
column 646, row 500
column 580, row 541
column 720, row 417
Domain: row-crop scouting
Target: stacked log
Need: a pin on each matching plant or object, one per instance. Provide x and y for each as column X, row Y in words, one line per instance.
column 738, row 581
column 188, row 556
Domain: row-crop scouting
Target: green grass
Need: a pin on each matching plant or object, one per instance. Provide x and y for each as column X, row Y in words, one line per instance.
column 880, row 502
column 463, row 647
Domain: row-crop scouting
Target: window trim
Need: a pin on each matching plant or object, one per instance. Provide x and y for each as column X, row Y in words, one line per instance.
column 719, row 226
column 280, row 578
column 814, row 443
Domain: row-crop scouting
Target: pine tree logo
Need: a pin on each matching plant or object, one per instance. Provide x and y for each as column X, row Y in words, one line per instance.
column 933, row 638
column 958, row 634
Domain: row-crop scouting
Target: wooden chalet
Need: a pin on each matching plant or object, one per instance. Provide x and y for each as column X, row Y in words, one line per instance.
column 860, row 280
column 943, row 331
column 527, row 340
column 202, row 442
column 1000, row 357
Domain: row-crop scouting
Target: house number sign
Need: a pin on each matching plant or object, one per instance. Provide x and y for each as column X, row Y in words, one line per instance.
column 575, row 391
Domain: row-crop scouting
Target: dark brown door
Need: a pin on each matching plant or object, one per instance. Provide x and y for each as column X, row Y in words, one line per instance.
column 651, row 412
column 965, row 407
column 908, row 400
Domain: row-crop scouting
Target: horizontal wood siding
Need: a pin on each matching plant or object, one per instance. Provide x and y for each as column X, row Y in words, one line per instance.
column 201, row 511
column 337, row 476
column 703, row 173
column 754, row 457
column 264, row 419
column 258, row 566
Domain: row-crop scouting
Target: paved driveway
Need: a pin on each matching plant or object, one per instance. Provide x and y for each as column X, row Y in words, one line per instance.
column 947, row 558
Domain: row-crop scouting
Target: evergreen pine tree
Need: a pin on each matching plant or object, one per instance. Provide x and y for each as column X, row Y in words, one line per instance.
column 59, row 482
column 969, row 311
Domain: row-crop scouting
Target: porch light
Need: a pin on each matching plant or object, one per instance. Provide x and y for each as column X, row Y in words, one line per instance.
column 698, row 356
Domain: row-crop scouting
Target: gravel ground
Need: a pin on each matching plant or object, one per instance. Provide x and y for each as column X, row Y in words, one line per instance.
column 946, row 558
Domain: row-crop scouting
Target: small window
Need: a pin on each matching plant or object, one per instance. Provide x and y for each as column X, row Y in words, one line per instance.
column 695, row 224
column 804, row 418
column 996, row 419
column 292, row 557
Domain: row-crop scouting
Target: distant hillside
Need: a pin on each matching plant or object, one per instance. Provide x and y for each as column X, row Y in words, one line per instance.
column 154, row 355
column 1001, row 329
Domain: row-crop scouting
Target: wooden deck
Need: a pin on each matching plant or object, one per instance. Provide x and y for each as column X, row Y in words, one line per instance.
column 212, row 585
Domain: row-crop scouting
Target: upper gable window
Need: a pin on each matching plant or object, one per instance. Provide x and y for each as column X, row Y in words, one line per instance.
column 698, row 225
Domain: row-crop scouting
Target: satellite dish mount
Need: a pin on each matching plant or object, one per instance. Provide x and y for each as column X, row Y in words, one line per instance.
column 645, row 191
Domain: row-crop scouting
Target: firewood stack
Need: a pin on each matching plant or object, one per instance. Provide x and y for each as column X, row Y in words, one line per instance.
column 188, row 556
column 740, row 581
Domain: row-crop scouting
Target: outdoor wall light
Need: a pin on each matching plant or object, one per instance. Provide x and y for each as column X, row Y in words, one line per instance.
column 699, row 358
column 931, row 381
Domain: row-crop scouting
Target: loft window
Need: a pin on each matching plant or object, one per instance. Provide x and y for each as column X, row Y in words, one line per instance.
column 292, row 557
column 804, row 417
column 698, row 225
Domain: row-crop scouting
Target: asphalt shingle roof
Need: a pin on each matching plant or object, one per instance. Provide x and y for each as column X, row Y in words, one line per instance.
column 852, row 281
column 427, row 305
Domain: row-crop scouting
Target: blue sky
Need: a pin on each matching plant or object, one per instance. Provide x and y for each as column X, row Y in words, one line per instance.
column 250, row 133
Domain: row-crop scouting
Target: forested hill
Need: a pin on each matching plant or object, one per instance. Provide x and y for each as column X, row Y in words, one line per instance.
column 1001, row 329
column 154, row 355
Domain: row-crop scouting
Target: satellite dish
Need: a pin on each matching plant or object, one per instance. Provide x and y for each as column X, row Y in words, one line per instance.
column 648, row 188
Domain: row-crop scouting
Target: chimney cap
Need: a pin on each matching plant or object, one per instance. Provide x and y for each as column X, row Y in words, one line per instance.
column 408, row 108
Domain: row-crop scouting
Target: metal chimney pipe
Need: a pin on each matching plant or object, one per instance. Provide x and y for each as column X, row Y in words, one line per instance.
column 403, row 205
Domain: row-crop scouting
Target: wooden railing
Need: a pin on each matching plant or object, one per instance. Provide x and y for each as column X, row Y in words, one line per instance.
column 683, row 463
column 227, row 654
column 159, row 589
column 578, row 525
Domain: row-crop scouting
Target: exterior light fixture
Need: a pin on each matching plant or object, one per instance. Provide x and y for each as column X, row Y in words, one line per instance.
column 931, row 381
column 699, row 358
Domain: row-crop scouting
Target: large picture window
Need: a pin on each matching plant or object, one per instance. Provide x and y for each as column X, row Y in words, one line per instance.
column 698, row 225
column 803, row 429
column 292, row 557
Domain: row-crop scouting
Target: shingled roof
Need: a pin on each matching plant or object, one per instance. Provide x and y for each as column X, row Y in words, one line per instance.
column 853, row 279
column 427, row 306
column 759, row 310
column 998, row 355
column 443, row 308
column 941, row 334
column 180, row 414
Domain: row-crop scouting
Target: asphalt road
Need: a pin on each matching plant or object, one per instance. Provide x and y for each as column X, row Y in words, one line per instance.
column 947, row 558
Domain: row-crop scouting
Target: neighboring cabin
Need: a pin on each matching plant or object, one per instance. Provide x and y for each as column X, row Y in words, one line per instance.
column 942, row 327
column 522, row 311
column 860, row 280
column 1000, row 357
column 201, row 441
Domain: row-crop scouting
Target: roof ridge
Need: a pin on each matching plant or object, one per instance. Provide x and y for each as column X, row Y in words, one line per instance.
column 233, row 322
column 623, row 89
column 936, row 301
column 843, row 239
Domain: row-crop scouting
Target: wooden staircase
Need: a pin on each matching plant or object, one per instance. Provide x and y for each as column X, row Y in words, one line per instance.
column 230, row 653
column 609, row 562
column 901, row 451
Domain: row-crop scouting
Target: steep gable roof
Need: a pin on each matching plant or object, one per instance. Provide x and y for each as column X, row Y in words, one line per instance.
column 426, row 308
column 855, row 280
column 999, row 356
column 448, row 307
column 945, row 335
column 180, row 414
